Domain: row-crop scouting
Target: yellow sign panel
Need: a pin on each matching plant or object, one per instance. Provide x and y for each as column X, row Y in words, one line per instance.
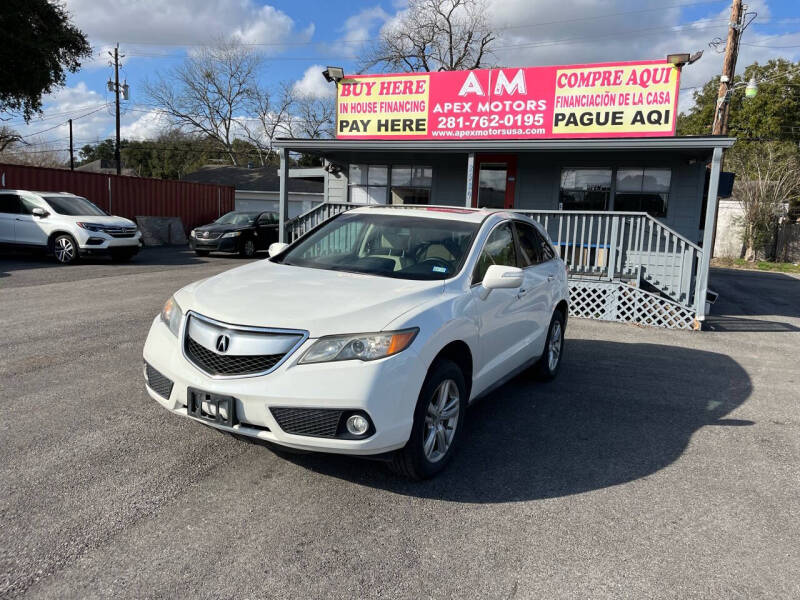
column 385, row 106
column 603, row 99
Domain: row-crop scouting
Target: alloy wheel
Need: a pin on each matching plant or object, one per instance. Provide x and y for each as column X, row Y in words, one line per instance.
column 249, row 248
column 554, row 348
column 64, row 250
column 441, row 420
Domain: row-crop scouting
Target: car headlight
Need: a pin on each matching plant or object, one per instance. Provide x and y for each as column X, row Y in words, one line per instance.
column 191, row 233
column 360, row 346
column 171, row 315
column 232, row 234
column 91, row 226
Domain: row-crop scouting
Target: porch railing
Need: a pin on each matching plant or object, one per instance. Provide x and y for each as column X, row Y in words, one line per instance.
column 595, row 244
column 624, row 245
column 313, row 217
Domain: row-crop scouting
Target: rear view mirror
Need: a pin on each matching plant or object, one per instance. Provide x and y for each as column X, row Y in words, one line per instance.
column 276, row 248
column 39, row 212
column 499, row 277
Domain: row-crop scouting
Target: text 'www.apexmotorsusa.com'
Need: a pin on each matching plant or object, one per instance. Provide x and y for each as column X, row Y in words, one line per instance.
column 484, row 132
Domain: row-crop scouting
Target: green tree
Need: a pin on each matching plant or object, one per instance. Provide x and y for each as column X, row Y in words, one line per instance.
column 773, row 114
column 39, row 47
column 100, row 151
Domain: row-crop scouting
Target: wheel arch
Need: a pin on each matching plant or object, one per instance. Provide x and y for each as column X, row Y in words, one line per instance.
column 54, row 234
column 459, row 352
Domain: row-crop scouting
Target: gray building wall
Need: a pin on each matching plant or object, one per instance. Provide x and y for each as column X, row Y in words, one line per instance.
column 539, row 179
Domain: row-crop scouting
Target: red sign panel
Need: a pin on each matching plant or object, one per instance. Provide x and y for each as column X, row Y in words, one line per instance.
column 603, row 100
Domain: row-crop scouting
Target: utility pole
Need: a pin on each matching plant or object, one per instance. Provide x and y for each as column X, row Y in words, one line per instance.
column 71, row 155
column 117, row 158
column 720, row 125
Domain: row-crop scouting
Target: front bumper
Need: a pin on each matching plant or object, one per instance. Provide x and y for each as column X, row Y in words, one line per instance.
column 98, row 242
column 386, row 390
column 221, row 244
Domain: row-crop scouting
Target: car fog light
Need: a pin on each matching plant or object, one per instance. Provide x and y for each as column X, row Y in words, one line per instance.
column 357, row 425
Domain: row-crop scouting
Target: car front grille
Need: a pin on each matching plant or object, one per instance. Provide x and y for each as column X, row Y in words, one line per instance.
column 208, row 235
column 157, row 382
column 121, row 232
column 314, row 422
column 224, row 364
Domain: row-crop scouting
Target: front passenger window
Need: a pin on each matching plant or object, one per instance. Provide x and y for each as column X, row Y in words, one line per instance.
column 9, row 204
column 498, row 250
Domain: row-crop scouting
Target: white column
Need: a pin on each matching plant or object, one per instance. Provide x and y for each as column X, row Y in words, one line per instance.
column 283, row 195
column 470, row 171
column 701, row 285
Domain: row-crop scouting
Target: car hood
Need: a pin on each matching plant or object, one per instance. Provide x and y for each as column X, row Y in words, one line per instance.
column 106, row 220
column 267, row 294
column 221, row 227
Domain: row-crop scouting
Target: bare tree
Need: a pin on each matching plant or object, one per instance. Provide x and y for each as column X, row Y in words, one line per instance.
column 8, row 137
column 314, row 117
column 271, row 119
column 768, row 175
column 210, row 91
column 434, row 35
column 35, row 154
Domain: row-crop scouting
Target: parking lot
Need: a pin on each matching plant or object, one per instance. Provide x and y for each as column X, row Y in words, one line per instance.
column 659, row 464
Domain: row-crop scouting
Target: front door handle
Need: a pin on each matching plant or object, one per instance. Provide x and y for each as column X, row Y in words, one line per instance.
column 19, row 219
column 521, row 293
column 550, row 276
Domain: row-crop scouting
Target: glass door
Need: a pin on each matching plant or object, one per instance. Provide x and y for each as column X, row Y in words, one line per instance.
column 494, row 181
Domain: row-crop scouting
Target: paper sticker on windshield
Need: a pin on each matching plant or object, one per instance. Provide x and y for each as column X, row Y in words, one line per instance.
column 440, row 269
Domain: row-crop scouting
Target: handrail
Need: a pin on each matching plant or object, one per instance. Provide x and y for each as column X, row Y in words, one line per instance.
column 316, row 215
column 633, row 245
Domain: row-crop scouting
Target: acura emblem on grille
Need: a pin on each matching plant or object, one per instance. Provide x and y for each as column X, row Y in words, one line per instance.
column 206, row 234
column 223, row 342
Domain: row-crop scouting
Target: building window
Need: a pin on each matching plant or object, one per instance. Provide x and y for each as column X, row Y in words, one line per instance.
column 368, row 184
column 643, row 190
column 411, row 184
column 585, row 189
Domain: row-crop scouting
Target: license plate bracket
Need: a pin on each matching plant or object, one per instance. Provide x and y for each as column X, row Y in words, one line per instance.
column 210, row 407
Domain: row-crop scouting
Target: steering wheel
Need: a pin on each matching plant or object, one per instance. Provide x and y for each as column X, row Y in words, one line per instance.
column 436, row 262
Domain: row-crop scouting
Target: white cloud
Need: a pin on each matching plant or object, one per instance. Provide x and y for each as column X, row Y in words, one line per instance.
column 146, row 126
column 357, row 28
column 185, row 22
column 313, row 84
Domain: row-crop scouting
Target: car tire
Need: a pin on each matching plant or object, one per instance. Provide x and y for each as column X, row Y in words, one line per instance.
column 546, row 368
column 248, row 248
column 434, row 435
column 201, row 252
column 65, row 249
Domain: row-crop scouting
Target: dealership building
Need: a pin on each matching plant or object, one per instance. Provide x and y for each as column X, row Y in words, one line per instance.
column 628, row 205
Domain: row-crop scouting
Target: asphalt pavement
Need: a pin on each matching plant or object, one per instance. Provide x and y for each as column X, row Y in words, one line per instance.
column 660, row 464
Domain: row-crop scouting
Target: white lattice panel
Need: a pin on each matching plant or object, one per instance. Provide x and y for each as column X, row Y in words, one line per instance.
column 617, row 301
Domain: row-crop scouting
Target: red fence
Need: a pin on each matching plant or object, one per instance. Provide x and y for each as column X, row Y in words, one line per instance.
column 130, row 197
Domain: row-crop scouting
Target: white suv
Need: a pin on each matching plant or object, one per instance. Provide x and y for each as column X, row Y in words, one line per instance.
column 369, row 335
column 69, row 226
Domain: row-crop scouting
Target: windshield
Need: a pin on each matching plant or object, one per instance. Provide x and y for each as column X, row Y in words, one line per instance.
column 387, row 245
column 237, row 218
column 74, row 206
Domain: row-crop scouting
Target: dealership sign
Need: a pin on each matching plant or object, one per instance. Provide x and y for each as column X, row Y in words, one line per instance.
column 603, row 100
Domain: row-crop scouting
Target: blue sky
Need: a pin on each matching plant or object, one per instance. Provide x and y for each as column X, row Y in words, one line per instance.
column 300, row 37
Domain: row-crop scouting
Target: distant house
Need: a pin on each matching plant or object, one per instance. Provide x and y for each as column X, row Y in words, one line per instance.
column 257, row 189
column 106, row 166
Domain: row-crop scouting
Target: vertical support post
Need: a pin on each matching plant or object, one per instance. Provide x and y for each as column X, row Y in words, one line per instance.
column 701, row 285
column 325, row 179
column 470, row 183
column 612, row 250
column 71, row 154
column 283, row 194
column 109, row 196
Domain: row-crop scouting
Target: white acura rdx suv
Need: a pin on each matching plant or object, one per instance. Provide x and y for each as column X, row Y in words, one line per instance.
column 370, row 335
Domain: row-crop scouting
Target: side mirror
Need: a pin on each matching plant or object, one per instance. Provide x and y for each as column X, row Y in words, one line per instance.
column 500, row 277
column 276, row 248
column 39, row 212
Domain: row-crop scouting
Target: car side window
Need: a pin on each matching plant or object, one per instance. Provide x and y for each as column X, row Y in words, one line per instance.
column 26, row 206
column 267, row 219
column 10, row 204
column 499, row 249
column 534, row 248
